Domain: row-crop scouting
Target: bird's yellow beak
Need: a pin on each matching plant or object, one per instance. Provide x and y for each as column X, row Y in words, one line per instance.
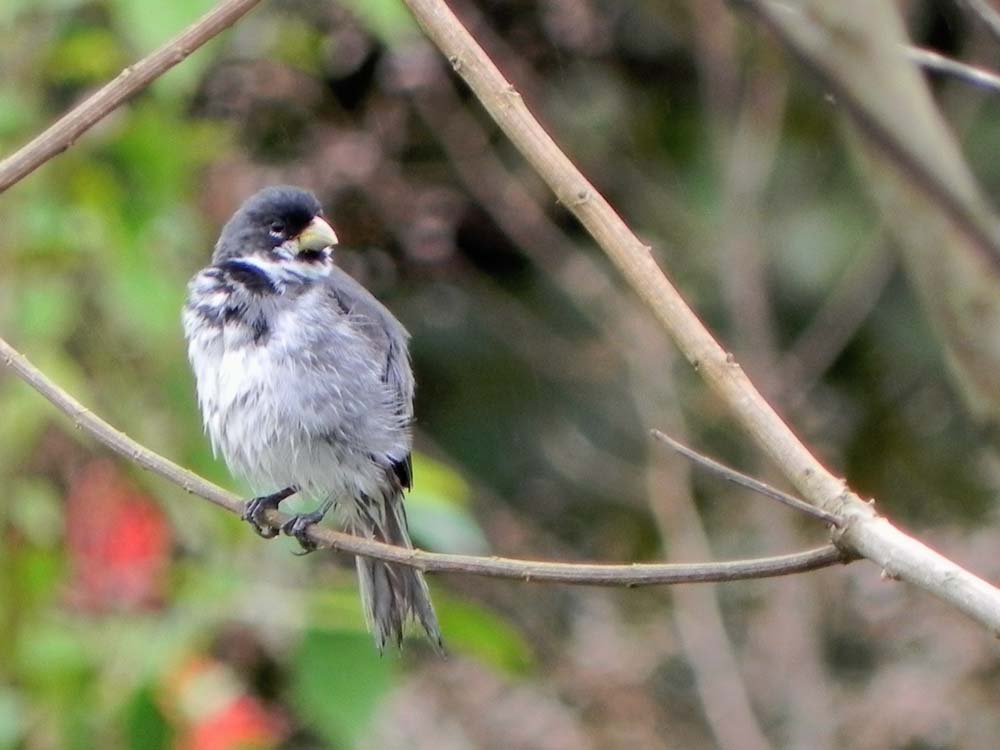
column 318, row 235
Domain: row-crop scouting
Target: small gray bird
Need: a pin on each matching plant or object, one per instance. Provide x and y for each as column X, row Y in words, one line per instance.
column 305, row 386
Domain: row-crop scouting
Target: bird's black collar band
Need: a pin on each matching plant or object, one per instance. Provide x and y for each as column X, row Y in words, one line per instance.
column 252, row 278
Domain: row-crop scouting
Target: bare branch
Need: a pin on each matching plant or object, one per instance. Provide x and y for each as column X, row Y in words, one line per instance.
column 638, row 574
column 986, row 13
column 802, row 33
column 864, row 532
column 754, row 485
column 938, row 63
column 63, row 133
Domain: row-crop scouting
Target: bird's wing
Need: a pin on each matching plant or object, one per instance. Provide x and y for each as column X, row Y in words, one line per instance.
column 388, row 336
column 388, row 339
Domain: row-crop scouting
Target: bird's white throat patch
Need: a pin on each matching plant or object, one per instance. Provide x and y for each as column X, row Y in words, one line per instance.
column 286, row 267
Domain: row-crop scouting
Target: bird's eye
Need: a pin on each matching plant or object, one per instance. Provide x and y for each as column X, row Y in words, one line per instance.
column 277, row 229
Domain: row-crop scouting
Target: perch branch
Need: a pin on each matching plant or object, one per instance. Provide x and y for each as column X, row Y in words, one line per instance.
column 638, row 574
column 63, row 133
column 864, row 532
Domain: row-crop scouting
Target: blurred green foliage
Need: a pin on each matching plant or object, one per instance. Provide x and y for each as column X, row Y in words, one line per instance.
column 96, row 252
column 149, row 619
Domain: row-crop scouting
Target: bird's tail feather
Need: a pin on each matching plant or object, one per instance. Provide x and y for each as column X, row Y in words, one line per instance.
column 391, row 593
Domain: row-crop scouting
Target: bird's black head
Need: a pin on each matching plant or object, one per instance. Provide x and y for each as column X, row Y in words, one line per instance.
column 278, row 225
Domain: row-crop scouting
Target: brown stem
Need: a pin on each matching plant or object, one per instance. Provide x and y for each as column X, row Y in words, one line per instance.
column 865, row 533
column 63, row 132
column 800, row 34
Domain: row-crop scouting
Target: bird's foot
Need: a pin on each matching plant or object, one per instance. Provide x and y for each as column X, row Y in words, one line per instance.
column 256, row 508
column 298, row 527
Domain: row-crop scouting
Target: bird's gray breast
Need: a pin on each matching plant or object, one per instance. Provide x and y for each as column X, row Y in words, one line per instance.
column 292, row 392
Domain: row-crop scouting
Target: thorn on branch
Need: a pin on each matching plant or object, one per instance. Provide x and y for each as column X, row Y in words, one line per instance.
column 748, row 482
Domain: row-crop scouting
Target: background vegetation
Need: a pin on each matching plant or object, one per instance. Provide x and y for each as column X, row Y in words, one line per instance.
column 133, row 616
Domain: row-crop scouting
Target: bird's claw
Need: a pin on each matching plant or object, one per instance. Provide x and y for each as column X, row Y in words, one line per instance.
column 256, row 508
column 254, row 513
column 298, row 526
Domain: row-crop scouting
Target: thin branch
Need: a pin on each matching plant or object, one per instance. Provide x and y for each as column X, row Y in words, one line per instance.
column 799, row 32
column 938, row 63
column 638, row 574
column 747, row 482
column 986, row 13
column 63, row 133
column 864, row 532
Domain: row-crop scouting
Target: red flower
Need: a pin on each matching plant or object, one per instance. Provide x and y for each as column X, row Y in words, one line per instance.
column 118, row 541
column 210, row 702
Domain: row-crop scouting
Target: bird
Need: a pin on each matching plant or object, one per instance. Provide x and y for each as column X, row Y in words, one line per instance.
column 305, row 387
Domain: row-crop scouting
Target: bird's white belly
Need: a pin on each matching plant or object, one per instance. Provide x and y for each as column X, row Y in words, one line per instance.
column 250, row 397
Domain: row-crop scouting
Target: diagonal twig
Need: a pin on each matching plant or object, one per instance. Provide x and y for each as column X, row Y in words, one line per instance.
column 801, row 34
column 748, row 482
column 60, row 135
column 935, row 62
column 837, row 321
column 986, row 13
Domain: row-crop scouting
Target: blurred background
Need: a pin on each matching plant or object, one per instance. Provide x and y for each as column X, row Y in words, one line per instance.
column 135, row 616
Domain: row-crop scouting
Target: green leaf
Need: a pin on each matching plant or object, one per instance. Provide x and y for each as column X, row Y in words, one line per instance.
column 55, row 657
column 437, row 509
column 145, row 726
column 475, row 631
column 25, row 415
column 36, row 510
column 438, row 482
column 12, row 714
column 338, row 680
column 17, row 112
column 149, row 25
column 298, row 44
column 337, row 609
column 46, row 310
column 387, row 19
column 444, row 528
column 85, row 56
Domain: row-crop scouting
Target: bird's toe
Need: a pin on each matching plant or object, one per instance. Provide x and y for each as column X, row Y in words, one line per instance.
column 298, row 526
column 256, row 508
